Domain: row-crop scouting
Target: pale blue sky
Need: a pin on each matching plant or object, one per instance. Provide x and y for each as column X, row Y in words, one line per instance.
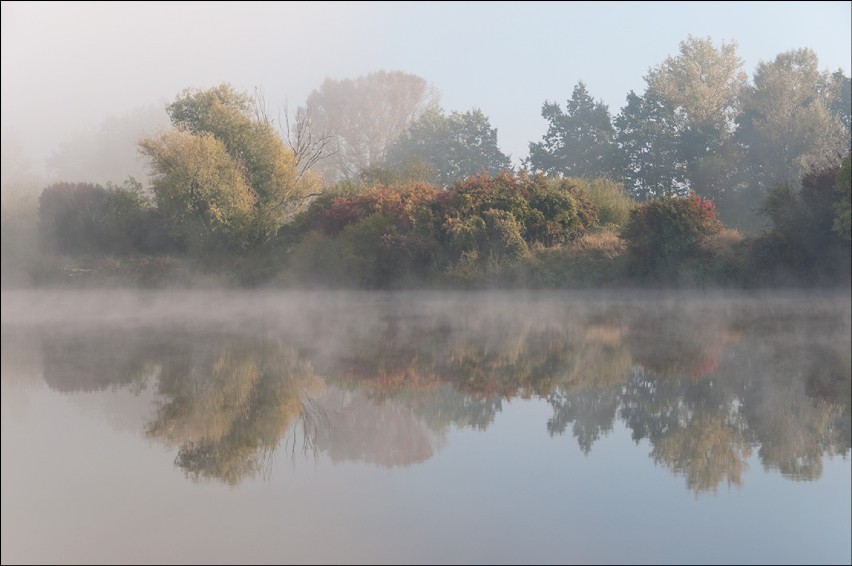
column 66, row 66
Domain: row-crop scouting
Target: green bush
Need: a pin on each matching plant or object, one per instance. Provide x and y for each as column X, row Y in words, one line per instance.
column 377, row 237
column 84, row 218
column 314, row 259
column 609, row 197
column 665, row 232
column 498, row 218
column 562, row 212
column 802, row 246
column 592, row 261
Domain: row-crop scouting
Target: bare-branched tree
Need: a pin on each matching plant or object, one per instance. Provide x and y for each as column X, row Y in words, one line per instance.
column 308, row 144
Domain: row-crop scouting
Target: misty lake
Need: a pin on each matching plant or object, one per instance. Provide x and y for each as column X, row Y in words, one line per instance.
column 412, row 427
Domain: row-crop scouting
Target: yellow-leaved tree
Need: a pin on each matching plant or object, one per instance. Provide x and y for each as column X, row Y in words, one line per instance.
column 222, row 177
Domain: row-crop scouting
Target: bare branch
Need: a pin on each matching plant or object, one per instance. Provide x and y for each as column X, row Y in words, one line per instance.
column 261, row 108
column 308, row 146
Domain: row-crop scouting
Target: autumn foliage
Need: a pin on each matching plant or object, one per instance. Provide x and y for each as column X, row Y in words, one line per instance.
column 665, row 232
column 383, row 235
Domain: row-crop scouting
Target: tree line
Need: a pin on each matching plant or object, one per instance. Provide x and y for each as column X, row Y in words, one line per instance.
column 376, row 178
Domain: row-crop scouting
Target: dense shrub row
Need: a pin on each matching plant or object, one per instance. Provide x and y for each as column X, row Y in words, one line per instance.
column 387, row 235
column 508, row 229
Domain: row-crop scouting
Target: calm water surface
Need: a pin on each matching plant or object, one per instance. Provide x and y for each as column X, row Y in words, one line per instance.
column 425, row 427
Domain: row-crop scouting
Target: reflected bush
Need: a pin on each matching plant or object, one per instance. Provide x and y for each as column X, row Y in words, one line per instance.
column 673, row 346
column 89, row 362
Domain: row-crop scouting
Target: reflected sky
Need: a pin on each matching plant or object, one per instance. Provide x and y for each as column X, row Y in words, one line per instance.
column 401, row 427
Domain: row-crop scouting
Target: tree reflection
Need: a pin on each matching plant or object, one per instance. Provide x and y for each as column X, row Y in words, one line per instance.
column 683, row 380
column 226, row 405
column 590, row 413
column 706, row 451
column 386, row 433
column 801, row 420
column 695, row 429
column 708, row 390
column 803, row 431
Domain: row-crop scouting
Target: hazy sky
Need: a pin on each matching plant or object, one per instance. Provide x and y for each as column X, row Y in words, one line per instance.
column 66, row 66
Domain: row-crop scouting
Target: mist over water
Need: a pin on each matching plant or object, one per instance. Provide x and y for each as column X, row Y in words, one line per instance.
column 384, row 404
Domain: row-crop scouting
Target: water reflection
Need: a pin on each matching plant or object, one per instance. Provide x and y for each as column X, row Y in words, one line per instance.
column 706, row 383
column 227, row 403
column 387, row 433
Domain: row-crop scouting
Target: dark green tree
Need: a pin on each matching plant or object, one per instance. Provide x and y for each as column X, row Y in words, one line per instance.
column 647, row 139
column 579, row 141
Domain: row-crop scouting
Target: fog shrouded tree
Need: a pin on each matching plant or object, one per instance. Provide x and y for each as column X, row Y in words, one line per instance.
column 579, row 140
column 841, row 104
column 366, row 115
column 108, row 153
column 646, row 136
column 222, row 177
column 787, row 125
column 453, row 147
column 308, row 144
column 702, row 85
